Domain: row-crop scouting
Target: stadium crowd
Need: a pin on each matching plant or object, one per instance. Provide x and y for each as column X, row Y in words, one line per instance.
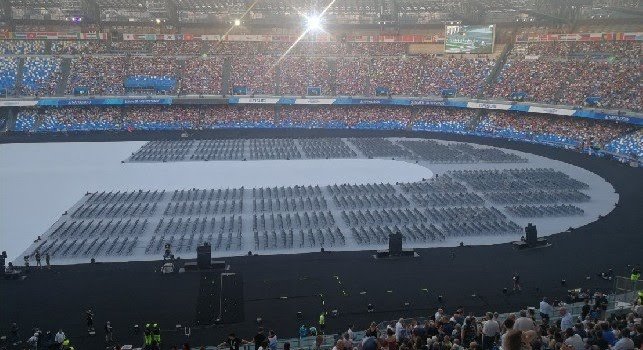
column 571, row 73
column 576, row 133
column 630, row 144
column 298, row 73
column 256, row 74
column 359, row 117
column 556, row 130
column 518, row 331
column 601, row 74
column 202, row 76
column 197, row 47
column 77, row 47
column 40, row 76
column 352, row 77
column 443, row 119
column 8, row 68
column 100, row 75
column 22, row 47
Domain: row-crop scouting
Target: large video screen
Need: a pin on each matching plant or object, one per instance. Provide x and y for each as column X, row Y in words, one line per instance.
column 469, row 39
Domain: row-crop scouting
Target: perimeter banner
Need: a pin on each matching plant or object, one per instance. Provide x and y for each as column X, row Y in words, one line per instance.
column 479, row 105
column 18, row 103
column 63, row 102
column 56, row 36
column 547, row 110
column 607, row 36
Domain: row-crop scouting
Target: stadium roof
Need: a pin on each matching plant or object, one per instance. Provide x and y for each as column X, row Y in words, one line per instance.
column 274, row 12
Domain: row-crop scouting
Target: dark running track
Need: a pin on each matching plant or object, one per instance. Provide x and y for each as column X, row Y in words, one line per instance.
column 132, row 293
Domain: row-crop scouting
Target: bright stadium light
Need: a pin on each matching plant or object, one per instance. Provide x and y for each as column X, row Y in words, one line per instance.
column 313, row 23
column 237, row 22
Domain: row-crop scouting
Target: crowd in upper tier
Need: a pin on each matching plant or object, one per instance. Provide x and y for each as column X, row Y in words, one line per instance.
column 602, row 74
column 571, row 73
column 560, row 131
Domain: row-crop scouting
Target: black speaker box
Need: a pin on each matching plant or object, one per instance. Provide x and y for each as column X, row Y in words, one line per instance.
column 395, row 244
column 531, row 234
column 203, row 256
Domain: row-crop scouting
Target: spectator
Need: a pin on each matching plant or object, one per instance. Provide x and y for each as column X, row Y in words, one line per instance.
column 607, row 334
column 272, row 340
column 259, row 339
column 524, row 323
column 490, row 331
column 512, row 340
column 566, row 321
column 233, row 342
column 573, row 340
column 350, row 331
column 546, row 310
column 372, row 331
column 339, row 345
column 391, row 341
column 60, row 337
column 399, row 329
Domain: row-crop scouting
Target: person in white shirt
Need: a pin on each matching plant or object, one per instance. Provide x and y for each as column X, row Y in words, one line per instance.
column 439, row 314
column 546, row 310
column 574, row 340
column 567, row 321
column 399, row 327
column 33, row 341
column 490, row 330
column 350, row 331
column 60, row 337
column 272, row 340
column 625, row 343
column 524, row 323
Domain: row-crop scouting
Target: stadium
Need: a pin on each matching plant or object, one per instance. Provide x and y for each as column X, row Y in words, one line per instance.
column 321, row 175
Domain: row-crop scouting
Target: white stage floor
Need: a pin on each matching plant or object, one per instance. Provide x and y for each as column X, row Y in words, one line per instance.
column 38, row 182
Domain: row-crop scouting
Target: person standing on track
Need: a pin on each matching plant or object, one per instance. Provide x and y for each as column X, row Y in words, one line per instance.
column 38, row 263
column 516, row 280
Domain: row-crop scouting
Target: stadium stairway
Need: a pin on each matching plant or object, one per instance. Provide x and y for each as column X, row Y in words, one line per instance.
column 476, row 119
column 65, row 69
column 367, row 81
column 497, row 69
column 40, row 117
column 225, row 76
column 179, row 77
column 278, row 115
column 19, row 73
column 414, row 113
column 11, row 119
column 332, row 66
column 278, row 80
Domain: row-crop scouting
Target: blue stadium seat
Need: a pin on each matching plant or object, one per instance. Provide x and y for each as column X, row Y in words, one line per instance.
column 40, row 75
column 8, row 72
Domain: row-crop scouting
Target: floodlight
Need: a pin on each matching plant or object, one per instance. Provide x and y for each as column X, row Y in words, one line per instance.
column 313, row 23
column 237, row 22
